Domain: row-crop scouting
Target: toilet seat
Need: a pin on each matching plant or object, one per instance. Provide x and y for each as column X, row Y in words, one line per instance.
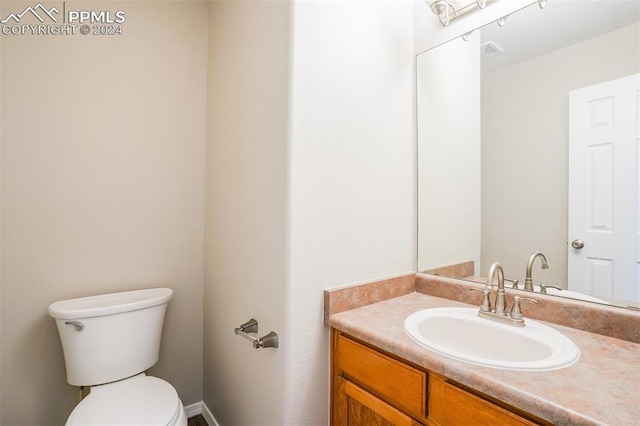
column 139, row 400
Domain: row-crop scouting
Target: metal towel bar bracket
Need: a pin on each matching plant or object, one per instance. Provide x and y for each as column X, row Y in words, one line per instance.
column 267, row 341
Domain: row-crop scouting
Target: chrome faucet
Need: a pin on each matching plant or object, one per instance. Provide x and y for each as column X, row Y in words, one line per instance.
column 500, row 305
column 499, row 313
column 528, row 281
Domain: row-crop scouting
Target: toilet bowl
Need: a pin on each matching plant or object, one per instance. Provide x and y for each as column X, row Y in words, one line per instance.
column 109, row 341
column 139, row 400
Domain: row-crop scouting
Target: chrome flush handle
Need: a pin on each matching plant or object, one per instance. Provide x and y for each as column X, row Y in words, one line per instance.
column 76, row 324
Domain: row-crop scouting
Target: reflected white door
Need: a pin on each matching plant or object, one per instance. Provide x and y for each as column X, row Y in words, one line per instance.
column 604, row 131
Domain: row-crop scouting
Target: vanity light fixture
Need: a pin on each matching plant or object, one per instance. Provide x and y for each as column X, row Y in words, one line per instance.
column 448, row 9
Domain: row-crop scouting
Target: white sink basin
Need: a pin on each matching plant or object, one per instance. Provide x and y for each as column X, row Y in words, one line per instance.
column 460, row 334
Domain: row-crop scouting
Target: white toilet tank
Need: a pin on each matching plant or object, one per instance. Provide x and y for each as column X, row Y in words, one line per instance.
column 111, row 336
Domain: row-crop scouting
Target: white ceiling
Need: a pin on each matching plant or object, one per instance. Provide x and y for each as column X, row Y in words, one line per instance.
column 534, row 31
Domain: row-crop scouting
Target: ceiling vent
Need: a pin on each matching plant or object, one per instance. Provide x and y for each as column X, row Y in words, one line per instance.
column 489, row 50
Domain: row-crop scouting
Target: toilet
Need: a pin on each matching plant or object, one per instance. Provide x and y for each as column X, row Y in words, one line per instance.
column 109, row 341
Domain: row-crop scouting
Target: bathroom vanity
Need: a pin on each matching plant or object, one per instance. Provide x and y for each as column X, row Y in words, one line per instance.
column 368, row 385
column 380, row 376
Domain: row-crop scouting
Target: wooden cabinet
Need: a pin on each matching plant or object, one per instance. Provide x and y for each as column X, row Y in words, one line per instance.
column 370, row 387
column 356, row 407
column 464, row 408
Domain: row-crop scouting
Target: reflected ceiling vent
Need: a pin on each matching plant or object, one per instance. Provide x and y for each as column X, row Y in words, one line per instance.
column 489, row 50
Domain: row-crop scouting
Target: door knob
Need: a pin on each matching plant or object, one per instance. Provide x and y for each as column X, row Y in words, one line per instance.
column 577, row 244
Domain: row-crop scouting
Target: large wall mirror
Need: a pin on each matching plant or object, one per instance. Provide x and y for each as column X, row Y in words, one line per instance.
column 528, row 135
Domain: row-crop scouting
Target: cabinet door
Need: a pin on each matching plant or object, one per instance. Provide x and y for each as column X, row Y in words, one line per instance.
column 357, row 407
column 463, row 408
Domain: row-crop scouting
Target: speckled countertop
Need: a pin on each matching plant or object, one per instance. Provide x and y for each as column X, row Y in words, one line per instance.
column 602, row 387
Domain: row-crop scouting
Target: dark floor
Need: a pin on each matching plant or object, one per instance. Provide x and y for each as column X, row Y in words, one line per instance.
column 197, row 421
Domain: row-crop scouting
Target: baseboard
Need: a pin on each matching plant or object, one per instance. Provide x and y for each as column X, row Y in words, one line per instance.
column 201, row 408
column 193, row 409
column 211, row 421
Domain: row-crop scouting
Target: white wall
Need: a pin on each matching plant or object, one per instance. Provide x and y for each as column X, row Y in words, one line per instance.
column 449, row 202
column 102, row 190
column 352, row 179
column 525, row 132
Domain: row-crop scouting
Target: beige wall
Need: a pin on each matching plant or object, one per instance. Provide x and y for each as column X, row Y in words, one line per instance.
column 102, row 191
column 525, row 132
column 246, row 215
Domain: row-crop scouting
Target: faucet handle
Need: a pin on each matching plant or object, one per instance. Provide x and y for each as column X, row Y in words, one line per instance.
column 485, row 306
column 544, row 287
column 514, row 283
column 516, row 310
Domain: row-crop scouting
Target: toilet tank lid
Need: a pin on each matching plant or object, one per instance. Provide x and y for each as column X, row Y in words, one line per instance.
column 109, row 304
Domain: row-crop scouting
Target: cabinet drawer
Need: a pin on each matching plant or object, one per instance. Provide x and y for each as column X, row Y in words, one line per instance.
column 401, row 385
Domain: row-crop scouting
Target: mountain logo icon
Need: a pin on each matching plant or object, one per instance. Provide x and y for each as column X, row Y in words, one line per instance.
column 38, row 11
